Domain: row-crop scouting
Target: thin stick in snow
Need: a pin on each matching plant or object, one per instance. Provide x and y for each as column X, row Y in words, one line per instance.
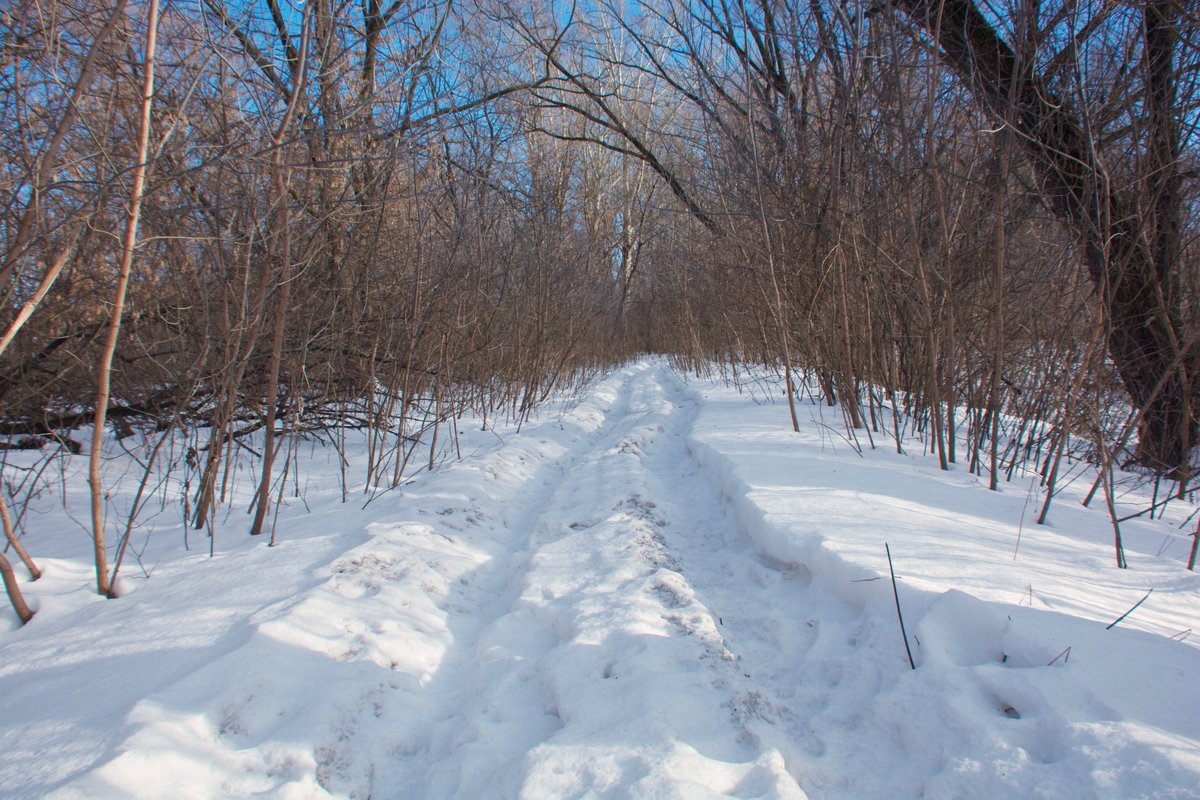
column 899, row 613
column 1065, row 655
column 1021, row 524
column 1113, row 624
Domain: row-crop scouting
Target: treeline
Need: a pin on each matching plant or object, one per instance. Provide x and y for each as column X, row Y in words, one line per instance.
column 977, row 220
column 969, row 222
column 979, row 210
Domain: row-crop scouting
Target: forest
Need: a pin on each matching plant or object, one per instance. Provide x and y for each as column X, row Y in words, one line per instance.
column 225, row 226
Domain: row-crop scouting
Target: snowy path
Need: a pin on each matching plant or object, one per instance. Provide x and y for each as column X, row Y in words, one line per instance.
column 605, row 627
column 658, row 593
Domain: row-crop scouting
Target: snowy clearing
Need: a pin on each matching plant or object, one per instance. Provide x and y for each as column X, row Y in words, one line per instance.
column 657, row 591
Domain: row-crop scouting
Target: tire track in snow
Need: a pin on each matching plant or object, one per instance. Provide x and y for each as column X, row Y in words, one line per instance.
column 793, row 643
column 456, row 718
column 352, row 688
column 815, row 667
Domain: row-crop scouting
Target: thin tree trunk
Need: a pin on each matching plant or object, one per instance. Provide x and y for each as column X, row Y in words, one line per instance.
column 14, row 591
column 48, row 280
column 1065, row 416
column 104, row 378
column 1191, row 565
column 282, row 236
column 999, row 264
column 1110, row 502
column 780, row 317
column 11, row 534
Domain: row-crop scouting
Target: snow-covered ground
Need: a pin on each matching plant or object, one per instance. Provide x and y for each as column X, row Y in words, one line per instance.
column 657, row 591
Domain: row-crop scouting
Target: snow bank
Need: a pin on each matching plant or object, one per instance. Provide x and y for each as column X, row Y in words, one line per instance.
column 1019, row 690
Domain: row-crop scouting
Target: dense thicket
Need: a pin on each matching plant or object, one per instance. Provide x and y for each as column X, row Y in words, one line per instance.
column 972, row 222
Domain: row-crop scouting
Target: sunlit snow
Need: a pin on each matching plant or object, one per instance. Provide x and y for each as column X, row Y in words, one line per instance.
column 658, row 590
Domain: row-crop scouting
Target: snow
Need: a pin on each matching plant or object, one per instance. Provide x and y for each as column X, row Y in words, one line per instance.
column 657, row 590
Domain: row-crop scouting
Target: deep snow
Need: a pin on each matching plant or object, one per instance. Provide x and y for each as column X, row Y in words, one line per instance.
column 659, row 590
